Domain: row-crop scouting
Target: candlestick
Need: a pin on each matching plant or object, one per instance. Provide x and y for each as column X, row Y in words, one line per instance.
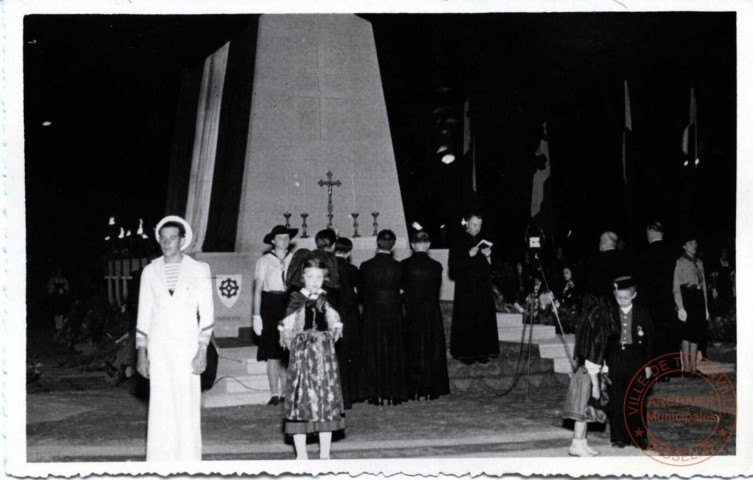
column 355, row 224
column 304, row 234
column 287, row 219
column 353, row 184
column 375, row 224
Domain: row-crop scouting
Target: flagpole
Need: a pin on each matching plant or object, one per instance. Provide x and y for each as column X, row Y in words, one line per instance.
column 695, row 104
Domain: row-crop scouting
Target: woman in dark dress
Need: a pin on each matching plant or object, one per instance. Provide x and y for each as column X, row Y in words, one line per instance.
column 474, row 317
column 425, row 342
column 383, row 349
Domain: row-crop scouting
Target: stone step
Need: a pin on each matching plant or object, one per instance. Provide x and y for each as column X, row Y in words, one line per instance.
column 512, row 349
column 216, row 399
column 540, row 332
column 563, row 365
column 722, row 352
column 725, row 367
column 222, row 330
column 239, row 361
column 500, row 384
column 243, row 383
column 560, row 349
column 561, row 346
column 500, row 367
column 509, row 320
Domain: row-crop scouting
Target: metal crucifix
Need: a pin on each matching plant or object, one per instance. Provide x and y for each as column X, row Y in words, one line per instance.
column 330, row 207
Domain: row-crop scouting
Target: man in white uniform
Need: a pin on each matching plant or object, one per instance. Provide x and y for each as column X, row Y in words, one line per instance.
column 174, row 326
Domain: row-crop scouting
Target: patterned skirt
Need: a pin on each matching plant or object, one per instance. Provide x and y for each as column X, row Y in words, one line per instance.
column 314, row 402
column 578, row 403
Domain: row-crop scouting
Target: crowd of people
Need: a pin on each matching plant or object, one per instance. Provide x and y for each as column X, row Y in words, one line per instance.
column 615, row 338
column 334, row 334
column 399, row 318
column 535, row 289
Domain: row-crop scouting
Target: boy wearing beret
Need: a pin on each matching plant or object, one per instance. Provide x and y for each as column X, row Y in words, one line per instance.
column 627, row 353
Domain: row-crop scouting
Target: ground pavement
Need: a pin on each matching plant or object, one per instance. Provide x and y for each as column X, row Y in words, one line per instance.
column 76, row 416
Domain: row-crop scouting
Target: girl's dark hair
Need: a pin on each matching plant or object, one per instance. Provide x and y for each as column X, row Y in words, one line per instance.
column 178, row 225
column 314, row 263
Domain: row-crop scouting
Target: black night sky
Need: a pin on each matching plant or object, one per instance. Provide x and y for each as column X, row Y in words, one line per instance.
column 109, row 86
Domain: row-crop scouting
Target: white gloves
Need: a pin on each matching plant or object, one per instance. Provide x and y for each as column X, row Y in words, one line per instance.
column 258, row 327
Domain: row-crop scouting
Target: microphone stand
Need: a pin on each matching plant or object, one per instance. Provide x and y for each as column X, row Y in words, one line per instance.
column 570, row 358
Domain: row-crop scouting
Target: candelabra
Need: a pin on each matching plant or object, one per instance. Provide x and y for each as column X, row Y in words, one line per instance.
column 355, row 224
column 287, row 219
column 375, row 224
column 304, row 226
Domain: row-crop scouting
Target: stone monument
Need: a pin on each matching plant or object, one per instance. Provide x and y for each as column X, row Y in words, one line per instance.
column 318, row 107
column 318, row 150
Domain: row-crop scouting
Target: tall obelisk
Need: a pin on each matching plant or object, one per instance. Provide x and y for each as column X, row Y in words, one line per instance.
column 317, row 107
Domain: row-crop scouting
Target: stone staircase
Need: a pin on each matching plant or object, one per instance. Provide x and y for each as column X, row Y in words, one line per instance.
column 499, row 375
column 241, row 380
column 558, row 348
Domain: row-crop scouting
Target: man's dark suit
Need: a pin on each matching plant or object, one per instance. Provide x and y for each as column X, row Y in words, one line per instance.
column 654, row 272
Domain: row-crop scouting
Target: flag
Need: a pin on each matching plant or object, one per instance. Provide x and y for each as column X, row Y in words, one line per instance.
column 473, row 166
column 690, row 134
column 626, row 131
column 541, row 174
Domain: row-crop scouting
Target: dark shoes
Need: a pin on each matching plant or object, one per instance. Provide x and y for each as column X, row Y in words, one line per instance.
column 275, row 400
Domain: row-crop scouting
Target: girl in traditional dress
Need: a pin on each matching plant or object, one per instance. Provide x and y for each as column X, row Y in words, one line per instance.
column 587, row 396
column 310, row 329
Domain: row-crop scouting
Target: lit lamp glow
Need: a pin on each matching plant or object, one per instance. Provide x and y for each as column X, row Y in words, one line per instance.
column 448, row 158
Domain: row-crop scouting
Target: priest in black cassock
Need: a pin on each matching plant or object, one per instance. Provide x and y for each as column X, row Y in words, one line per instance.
column 424, row 328
column 383, row 349
column 474, row 317
column 348, row 347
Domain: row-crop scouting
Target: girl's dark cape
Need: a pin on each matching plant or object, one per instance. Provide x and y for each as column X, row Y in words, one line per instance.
column 297, row 301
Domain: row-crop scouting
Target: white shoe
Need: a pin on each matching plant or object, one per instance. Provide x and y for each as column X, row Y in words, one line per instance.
column 591, row 449
column 578, row 449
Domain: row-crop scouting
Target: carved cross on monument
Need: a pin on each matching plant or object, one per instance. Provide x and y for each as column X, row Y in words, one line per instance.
column 330, row 207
